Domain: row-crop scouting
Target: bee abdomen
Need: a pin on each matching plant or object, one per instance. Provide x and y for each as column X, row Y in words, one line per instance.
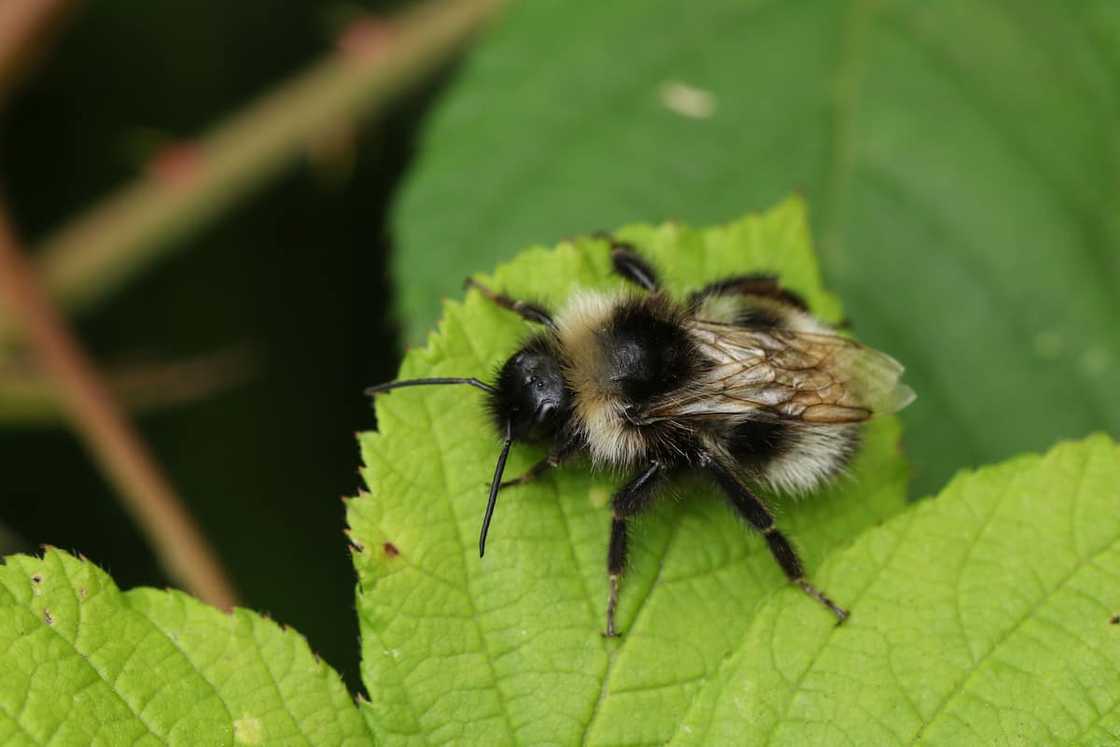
column 791, row 457
column 758, row 441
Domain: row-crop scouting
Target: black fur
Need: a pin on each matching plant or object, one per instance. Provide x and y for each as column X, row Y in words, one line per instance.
column 756, row 442
column 647, row 351
column 531, row 393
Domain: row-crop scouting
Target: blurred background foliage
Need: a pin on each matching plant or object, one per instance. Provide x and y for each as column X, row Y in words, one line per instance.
column 960, row 160
column 296, row 277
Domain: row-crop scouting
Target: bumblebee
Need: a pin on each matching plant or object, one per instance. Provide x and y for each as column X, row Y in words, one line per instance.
column 738, row 381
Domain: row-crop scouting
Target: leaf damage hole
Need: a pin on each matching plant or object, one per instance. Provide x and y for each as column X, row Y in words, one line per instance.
column 48, row 618
column 1115, row 619
column 391, row 550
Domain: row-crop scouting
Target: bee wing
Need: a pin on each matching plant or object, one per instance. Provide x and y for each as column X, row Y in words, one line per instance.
column 783, row 374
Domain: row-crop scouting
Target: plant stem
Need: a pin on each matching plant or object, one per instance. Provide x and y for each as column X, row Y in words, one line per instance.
column 29, row 399
column 22, row 23
column 192, row 184
column 115, row 444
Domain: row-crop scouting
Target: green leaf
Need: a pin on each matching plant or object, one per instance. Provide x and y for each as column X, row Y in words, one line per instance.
column 508, row 648
column 82, row 663
column 980, row 617
column 960, row 158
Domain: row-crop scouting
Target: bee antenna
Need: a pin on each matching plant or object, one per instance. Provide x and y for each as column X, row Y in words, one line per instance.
column 495, row 485
column 373, row 390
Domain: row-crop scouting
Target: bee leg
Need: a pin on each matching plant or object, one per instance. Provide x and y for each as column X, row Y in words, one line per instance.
column 756, row 284
column 751, row 508
column 630, row 499
column 528, row 311
column 627, row 263
column 554, row 459
column 532, row 473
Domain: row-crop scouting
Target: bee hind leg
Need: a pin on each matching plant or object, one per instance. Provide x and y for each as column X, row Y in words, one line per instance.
column 759, row 284
column 630, row 499
column 751, row 508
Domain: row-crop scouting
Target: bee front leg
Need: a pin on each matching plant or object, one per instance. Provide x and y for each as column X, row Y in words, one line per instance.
column 554, row 459
column 628, row 264
column 531, row 474
column 630, row 499
column 527, row 310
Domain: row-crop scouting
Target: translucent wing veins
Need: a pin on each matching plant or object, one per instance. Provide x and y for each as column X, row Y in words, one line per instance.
column 783, row 374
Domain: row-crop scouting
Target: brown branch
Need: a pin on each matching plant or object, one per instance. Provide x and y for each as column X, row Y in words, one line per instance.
column 22, row 24
column 124, row 457
column 28, row 398
column 191, row 184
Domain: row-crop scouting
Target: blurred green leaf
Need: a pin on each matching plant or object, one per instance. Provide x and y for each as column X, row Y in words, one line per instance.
column 981, row 617
column 509, row 648
column 83, row 663
column 960, row 158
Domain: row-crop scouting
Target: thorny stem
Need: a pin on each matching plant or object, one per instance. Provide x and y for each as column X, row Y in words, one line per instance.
column 28, row 399
column 194, row 183
column 147, row 494
column 22, row 22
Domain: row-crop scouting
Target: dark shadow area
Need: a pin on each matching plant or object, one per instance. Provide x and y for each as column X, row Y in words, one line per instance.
column 298, row 272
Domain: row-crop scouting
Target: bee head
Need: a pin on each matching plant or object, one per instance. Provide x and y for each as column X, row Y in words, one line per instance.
column 529, row 402
column 530, row 394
